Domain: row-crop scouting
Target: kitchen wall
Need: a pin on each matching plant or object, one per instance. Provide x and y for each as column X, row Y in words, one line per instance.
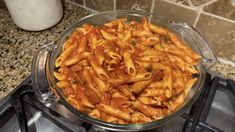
column 215, row 19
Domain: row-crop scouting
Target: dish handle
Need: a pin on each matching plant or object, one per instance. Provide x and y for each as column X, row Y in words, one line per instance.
column 190, row 33
column 39, row 75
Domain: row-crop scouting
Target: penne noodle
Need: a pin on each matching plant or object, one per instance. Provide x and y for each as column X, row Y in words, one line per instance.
column 158, row 47
column 114, row 112
column 148, row 100
column 120, row 26
column 81, row 95
column 82, row 44
column 120, row 121
column 126, row 91
column 158, row 100
column 189, row 85
column 113, row 55
column 118, row 95
column 127, row 36
column 106, row 98
column 108, row 36
column 141, row 76
column 95, row 113
column 178, row 78
column 99, row 54
column 82, row 30
column 140, row 85
column 138, row 117
column 114, row 23
column 108, row 118
column 59, row 76
column 129, row 63
column 101, row 85
column 121, row 103
column 156, row 85
column 167, row 82
column 161, row 97
column 180, row 45
column 157, row 29
column 97, row 68
column 179, row 62
column 83, row 63
column 120, row 43
column 172, row 105
column 175, row 50
column 191, row 69
column 64, row 55
column 92, row 41
column 150, row 41
column 137, row 33
column 73, row 60
column 157, row 65
column 88, row 79
column 67, row 44
column 120, row 36
column 145, row 24
column 74, row 101
column 147, row 110
column 63, row 84
column 151, row 92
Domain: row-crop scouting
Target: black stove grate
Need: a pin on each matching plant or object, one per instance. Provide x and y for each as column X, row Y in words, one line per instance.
column 195, row 120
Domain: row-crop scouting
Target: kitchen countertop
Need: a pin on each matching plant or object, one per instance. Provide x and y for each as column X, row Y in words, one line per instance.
column 17, row 47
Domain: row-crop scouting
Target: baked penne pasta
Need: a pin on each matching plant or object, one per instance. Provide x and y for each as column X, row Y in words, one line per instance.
column 125, row 72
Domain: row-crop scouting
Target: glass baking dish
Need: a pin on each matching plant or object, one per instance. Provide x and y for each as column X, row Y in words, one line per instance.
column 44, row 83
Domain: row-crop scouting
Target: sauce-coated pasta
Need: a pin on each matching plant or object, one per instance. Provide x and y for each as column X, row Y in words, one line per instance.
column 125, row 72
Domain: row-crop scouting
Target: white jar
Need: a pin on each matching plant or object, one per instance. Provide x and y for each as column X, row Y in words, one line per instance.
column 35, row 15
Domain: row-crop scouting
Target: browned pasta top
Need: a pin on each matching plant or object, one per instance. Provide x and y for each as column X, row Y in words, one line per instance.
column 125, row 72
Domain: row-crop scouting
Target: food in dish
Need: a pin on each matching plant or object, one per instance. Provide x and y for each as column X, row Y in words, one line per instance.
column 125, row 72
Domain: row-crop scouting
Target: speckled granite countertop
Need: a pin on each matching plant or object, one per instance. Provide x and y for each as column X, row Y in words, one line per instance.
column 17, row 47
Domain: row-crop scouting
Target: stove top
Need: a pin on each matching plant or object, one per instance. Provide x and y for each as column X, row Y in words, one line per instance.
column 214, row 111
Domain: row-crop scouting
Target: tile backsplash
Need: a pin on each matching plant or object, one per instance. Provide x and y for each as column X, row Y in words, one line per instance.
column 140, row 5
column 214, row 19
column 173, row 12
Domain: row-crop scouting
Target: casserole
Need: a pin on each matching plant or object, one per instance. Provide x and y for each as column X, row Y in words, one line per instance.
column 44, row 83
